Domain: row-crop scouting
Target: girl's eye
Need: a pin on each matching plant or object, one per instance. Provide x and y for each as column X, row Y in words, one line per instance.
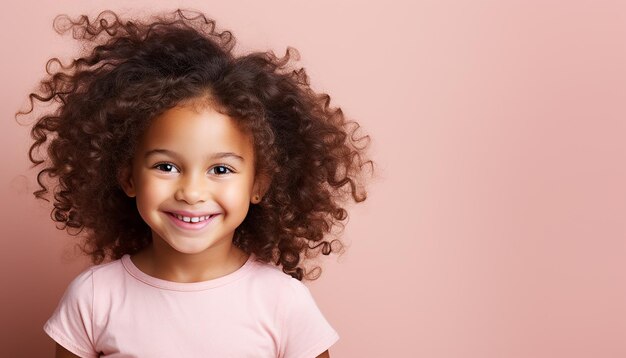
column 166, row 167
column 221, row 170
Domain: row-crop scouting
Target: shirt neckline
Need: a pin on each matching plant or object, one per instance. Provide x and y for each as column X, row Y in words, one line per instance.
column 135, row 272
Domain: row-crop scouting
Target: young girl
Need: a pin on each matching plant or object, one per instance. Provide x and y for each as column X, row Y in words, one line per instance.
column 204, row 179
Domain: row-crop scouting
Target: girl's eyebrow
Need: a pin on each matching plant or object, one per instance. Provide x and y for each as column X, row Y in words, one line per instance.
column 220, row 155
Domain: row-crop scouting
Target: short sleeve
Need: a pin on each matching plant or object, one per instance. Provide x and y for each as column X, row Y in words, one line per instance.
column 305, row 332
column 71, row 323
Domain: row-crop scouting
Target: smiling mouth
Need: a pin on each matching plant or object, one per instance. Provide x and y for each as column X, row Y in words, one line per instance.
column 192, row 219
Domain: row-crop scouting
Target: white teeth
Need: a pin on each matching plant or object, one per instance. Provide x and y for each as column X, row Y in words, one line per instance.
column 194, row 219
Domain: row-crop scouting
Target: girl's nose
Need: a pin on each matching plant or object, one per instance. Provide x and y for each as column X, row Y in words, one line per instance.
column 192, row 189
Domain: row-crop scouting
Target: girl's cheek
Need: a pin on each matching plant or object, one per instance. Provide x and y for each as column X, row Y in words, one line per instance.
column 233, row 194
column 155, row 187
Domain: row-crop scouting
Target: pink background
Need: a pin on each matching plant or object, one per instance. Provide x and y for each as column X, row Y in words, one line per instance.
column 495, row 226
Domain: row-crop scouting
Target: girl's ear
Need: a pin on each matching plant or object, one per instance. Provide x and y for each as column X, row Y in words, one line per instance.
column 125, row 179
column 260, row 187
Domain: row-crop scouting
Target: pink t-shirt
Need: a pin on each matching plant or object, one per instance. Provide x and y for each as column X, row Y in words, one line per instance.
column 116, row 310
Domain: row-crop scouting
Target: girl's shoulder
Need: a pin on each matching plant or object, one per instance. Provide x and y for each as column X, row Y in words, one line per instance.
column 274, row 278
column 72, row 320
column 85, row 279
column 305, row 332
column 283, row 288
column 108, row 270
column 255, row 275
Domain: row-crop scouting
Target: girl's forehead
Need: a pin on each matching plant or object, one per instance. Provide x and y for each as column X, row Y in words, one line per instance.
column 196, row 129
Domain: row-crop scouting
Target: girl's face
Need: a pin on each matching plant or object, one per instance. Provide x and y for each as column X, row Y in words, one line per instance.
column 193, row 179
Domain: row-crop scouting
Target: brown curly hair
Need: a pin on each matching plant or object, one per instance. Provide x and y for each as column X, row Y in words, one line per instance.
column 132, row 71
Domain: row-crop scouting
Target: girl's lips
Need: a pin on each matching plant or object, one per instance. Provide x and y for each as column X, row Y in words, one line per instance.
column 191, row 225
column 191, row 214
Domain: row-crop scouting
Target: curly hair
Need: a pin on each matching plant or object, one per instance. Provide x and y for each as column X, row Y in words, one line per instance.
column 132, row 71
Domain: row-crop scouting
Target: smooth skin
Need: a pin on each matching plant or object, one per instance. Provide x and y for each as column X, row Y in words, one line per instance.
column 193, row 160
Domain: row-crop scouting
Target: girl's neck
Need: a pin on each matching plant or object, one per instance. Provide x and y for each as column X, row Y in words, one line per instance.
column 171, row 265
